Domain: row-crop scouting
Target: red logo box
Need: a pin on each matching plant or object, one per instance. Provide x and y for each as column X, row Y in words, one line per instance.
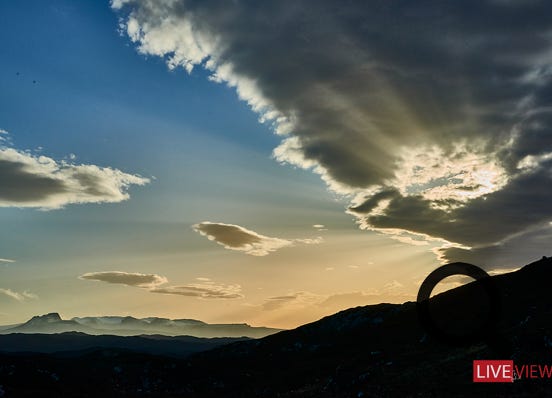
column 493, row 371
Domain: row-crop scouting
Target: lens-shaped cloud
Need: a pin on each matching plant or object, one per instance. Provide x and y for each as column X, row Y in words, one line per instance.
column 204, row 289
column 238, row 238
column 126, row 278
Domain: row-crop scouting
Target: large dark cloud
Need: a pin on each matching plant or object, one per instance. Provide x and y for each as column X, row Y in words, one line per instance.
column 429, row 111
column 491, row 218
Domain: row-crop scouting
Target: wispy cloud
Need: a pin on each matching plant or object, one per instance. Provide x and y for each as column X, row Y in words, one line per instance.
column 301, row 299
column 39, row 181
column 320, row 227
column 18, row 296
column 339, row 301
column 205, row 288
column 5, row 138
column 393, row 291
column 238, row 238
column 436, row 129
column 126, row 278
column 333, row 302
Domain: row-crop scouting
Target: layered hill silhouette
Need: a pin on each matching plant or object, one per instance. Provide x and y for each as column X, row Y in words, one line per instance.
column 130, row 326
column 372, row 351
column 74, row 344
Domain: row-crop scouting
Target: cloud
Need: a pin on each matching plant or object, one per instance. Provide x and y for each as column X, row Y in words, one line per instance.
column 340, row 301
column 204, row 290
column 487, row 222
column 6, row 260
column 391, row 292
column 434, row 116
column 5, row 138
column 509, row 254
column 39, row 181
column 126, row 278
column 18, row 296
column 297, row 299
column 234, row 237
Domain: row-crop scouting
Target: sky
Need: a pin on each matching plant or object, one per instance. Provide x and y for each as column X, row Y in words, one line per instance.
column 266, row 162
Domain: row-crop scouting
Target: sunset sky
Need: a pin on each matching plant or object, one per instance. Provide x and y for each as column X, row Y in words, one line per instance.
column 266, row 162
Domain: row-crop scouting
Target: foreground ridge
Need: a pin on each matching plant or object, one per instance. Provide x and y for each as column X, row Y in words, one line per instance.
column 372, row 351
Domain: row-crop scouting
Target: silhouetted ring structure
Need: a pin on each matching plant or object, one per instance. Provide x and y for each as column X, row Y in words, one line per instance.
column 486, row 332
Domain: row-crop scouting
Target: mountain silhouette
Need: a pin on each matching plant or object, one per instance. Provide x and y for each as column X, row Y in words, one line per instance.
column 372, row 351
column 42, row 319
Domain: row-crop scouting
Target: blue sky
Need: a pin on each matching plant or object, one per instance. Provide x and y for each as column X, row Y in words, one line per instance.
column 72, row 84
column 151, row 160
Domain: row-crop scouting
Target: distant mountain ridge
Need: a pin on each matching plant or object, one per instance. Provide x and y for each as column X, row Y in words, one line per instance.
column 130, row 326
